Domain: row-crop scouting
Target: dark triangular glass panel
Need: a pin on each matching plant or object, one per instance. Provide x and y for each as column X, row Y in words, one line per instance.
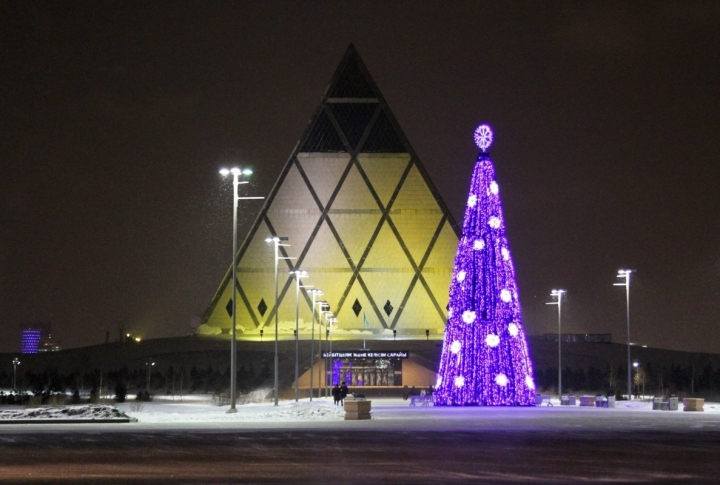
column 383, row 138
column 352, row 83
column 323, row 137
column 229, row 307
column 353, row 118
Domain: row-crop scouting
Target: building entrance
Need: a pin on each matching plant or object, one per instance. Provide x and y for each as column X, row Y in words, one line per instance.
column 365, row 368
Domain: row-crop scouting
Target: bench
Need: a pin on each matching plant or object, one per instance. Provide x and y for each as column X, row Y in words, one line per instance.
column 604, row 402
column 425, row 400
column 541, row 399
column 660, row 403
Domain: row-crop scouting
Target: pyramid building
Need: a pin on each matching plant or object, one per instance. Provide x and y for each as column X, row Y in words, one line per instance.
column 361, row 216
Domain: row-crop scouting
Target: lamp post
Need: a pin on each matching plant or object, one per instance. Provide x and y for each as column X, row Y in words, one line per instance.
column 236, row 173
column 16, row 362
column 558, row 295
column 149, row 364
column 276, row 243
column 636, row 365
column 328, row 315
column 315, row 293
column 625, row 273
column 328, row 335
column 298, row 274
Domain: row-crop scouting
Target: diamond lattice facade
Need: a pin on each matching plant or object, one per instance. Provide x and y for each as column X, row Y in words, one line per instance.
column 363, row 219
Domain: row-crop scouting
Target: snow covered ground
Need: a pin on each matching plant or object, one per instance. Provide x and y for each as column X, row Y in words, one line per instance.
column 200, row 409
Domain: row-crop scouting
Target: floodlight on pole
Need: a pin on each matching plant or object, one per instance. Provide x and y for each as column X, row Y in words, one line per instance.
column 558, row 295
column 236, row 173
column 275, row 240
column 625, row 273
column 298, row 274
column 315, row 293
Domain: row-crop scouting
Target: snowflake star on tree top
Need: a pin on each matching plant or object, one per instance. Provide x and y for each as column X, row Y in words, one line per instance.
column 483, row 137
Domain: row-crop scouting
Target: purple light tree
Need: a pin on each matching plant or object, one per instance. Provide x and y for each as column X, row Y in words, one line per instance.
column 484, row 359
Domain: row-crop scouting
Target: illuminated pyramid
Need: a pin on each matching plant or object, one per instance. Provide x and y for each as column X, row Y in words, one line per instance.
column 362, row 218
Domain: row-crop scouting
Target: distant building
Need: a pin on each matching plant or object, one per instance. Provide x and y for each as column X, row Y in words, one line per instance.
column 30, row 342
column 580, row 337
column 38, row 338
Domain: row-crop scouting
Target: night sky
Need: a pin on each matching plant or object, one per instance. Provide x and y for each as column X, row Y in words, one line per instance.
column 116, row 116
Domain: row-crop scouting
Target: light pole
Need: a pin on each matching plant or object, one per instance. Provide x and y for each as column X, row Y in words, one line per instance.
column 328, row 335
column 276, row 243
column 315, row 293
column 558, row 295
column 625, row 273
column 236, row 172
column 16, row 362
column 298, row 274
column 149, row 364
column 328, row 314
column 636, row 365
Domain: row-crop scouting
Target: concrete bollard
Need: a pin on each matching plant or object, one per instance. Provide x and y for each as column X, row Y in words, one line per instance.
column 693, row 404
column 357, row 409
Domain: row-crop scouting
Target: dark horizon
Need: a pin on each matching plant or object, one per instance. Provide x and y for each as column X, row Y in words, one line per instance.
column 117, row 118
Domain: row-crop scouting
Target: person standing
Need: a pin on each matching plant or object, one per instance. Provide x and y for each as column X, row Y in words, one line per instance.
column 336, row 394
column 343, row 393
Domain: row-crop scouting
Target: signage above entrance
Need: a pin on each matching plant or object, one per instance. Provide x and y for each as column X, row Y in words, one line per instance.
column 367, row 354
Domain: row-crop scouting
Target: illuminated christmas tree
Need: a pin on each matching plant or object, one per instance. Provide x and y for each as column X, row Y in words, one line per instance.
column 484, row 359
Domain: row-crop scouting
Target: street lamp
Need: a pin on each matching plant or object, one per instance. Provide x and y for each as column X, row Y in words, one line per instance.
column 147, row 383
column 328, row 330
column 328, row 315
column 558, row 295
column 276, row 243
column 236, row 173
column 315, row 293
column 298, row 274
column 16, row 362
column 625, row 273
column 636, row 365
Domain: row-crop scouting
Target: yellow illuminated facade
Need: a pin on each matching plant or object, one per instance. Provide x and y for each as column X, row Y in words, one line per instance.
column 362, row 218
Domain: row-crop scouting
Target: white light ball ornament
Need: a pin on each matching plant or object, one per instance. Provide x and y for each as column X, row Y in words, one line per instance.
column 506, row 296
column 459, row 381
column 483, row 137
column 461, row 276
column 468, row 316
column 472, row 200
column 501, row 380
column 478, row 245
column 513, row 330
column 494, row 189
column 455, row 347
column 494, row 222
column 529, row 383
column 492, row 340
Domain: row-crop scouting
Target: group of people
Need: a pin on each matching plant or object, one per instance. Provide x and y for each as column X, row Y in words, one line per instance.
column 339, row 393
